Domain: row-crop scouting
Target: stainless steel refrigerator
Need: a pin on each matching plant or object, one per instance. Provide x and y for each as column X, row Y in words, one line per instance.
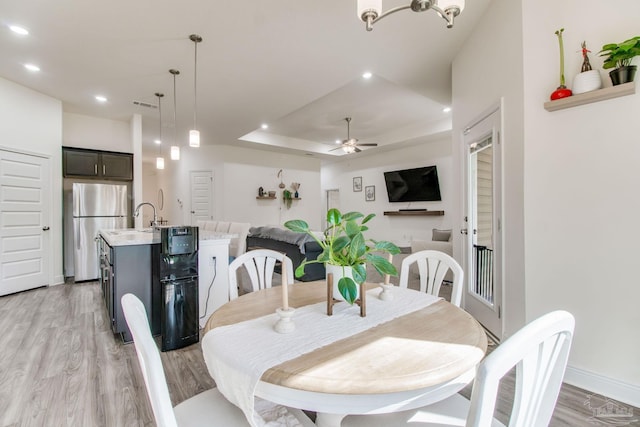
column 95, row 207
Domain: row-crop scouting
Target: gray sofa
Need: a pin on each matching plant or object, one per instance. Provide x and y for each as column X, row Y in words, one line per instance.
column 296, row 246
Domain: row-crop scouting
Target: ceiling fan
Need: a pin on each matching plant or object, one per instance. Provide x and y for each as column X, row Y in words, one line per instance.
column 350, row 145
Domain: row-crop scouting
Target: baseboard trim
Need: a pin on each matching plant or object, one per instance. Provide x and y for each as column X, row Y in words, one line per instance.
column 609, row 387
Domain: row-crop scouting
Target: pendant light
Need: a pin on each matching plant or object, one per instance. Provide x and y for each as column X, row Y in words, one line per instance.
column 160, row 159
column 194, row 134
column 175, row 148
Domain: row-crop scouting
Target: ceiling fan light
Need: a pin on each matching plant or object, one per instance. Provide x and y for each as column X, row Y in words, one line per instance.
column 159, row 162
column 349, row 149
column 451, row 4
column 175, row 152
column 194, row 138
column 366, row 7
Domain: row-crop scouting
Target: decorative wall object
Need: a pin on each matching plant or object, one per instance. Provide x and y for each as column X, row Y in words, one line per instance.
column 588, row 79
column 295, row 186
column 357, row 183
column 561, row 91
column 619, row 57
column 370, row 193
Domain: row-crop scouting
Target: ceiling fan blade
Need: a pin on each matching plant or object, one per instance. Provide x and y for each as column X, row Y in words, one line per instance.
column 357, row 150
column 337, row 148
column 367, row 145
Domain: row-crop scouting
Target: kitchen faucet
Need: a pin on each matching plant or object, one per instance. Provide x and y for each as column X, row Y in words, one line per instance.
column 155, row 218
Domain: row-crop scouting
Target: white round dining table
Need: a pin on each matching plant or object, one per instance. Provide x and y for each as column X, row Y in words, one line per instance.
column 410, row 361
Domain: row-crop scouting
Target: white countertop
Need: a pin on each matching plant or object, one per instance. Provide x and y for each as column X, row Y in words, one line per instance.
column 145, row 236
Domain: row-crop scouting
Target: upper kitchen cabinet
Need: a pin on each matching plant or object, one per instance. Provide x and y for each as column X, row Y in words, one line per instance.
column 84, row 163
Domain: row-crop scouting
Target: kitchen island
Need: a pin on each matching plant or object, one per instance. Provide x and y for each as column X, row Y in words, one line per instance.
column 126, row 267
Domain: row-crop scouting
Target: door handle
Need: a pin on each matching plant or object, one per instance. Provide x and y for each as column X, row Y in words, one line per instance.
column 45, row 228
column 104, row 170
column 193, row 212
column 464, row 231
column 95, row 169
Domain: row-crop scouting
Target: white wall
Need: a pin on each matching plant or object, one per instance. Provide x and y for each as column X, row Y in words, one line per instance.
column 581, row 195
column 400, row 230
column 98, row 134
column 570, row 189
column 238, row 173
column 151, row 178
column 32, row 122
column 488, row 68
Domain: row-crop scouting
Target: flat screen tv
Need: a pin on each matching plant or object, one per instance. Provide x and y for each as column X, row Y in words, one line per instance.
column 413, row 185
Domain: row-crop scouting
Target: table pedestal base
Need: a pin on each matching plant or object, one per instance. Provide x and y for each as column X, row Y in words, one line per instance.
column 329, row 420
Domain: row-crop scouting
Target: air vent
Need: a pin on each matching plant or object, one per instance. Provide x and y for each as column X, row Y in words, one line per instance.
column 144, row 104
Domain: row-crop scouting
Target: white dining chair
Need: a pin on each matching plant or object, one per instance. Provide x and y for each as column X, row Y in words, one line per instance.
column 432, row 268
column 259, row 265
column 539, row 351
column 209, row 408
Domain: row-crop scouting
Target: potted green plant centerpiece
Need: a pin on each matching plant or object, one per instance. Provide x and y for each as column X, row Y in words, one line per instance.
column 345, row 250
column 619, row 56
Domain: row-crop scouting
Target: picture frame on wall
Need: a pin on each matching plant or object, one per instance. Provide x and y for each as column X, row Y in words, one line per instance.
column 357, row 183
column 370, row 193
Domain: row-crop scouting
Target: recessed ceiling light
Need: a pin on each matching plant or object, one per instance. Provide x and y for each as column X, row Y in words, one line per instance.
column 338, row 141
column 101, row 98
column 367, row 75
column 157, row 141
column 264, row 126
column 446, row 109
column 32, row 67
column 19, row 30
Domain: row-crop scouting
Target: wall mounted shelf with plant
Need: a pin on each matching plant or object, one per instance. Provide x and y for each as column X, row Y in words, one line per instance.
column 593, row 96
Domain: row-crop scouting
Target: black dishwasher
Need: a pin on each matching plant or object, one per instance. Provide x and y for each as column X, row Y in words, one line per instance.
column 176, row 288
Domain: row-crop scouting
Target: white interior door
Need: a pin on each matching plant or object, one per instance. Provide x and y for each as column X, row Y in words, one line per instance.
column 483, row 254
column 201, row 196
column 24, row 214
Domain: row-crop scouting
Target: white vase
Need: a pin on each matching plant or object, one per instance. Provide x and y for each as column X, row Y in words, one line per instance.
column 586, row 82
column 338, row 272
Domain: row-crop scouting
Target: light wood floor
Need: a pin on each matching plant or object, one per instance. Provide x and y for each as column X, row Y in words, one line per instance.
column 60, row 365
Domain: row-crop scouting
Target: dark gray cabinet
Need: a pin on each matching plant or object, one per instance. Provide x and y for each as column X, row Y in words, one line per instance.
column 83, row 163
column 125, row 269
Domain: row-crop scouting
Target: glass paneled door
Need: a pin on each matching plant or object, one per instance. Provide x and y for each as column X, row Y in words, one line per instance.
column 483, row 287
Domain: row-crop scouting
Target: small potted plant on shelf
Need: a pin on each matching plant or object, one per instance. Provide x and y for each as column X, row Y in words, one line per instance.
column 619, row 56
column 345, row 251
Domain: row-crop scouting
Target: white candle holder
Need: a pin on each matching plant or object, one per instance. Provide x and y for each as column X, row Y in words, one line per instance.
column 284, row 325
column 387, row 292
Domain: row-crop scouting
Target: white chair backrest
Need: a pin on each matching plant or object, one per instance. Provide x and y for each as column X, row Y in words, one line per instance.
column 238, row 245
column 259, row 264
column 433, row 266
column 540, row 351
column 149, row 359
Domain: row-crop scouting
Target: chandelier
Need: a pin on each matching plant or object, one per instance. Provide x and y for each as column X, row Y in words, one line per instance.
column 370, row 11
column 160, row 159
column 194, row 134
column 175, row 148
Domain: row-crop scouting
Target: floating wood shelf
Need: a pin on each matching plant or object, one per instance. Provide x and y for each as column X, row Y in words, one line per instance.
column 265, row 197
column 589, row 97
column 414, row 213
